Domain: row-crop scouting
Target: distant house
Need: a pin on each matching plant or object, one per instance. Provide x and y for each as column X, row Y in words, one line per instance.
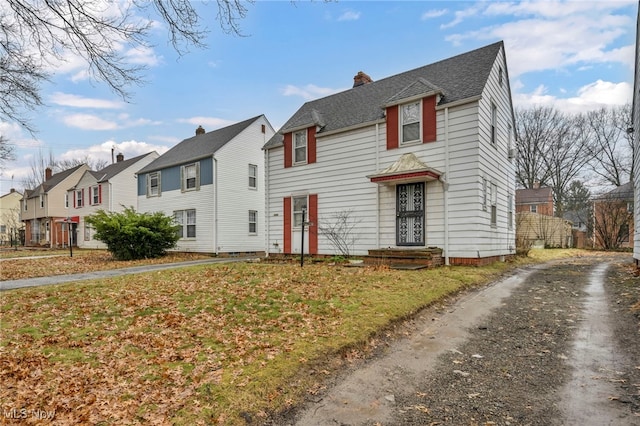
column 417, row 160
column 44, row 210
column 10, row 224
column 613, row 221
column 535, row 200
column 111, row 189
column 213, row 185
column 636, row 141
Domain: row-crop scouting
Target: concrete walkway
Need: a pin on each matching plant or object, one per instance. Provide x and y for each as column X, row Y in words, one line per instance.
column 59, row 279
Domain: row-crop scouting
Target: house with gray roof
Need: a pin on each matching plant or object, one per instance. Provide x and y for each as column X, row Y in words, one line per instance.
column 416, row 160
column 110, row 189
column 44, row 209
column 213, row 185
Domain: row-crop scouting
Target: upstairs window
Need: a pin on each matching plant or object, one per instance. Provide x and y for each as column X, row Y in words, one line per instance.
column 300, row 147
column 494, row 204
column 66, row 200
column 153, row 184
column 533, row 208
column 41, row 201
column 190, row 177
column 494, row 123
column 410, row 122
column 95, row 195
column 253, row 176
column 79, row 198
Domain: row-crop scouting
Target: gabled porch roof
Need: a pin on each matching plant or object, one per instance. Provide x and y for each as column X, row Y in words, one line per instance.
column 408, row 168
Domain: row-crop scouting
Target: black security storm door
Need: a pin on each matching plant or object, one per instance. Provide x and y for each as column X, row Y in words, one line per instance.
column 410, row 214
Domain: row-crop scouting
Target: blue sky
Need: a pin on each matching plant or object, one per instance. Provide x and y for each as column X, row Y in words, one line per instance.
column 574, row 55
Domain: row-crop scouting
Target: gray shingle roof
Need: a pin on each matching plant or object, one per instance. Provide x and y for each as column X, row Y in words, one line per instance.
column 533, row 195
column 197, row 147
column 460, row 77
column 103, row 175
column 51, row 182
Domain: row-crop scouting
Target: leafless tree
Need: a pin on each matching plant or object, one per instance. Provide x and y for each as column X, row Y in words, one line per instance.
column 6, row 151
column 340, row 231
column 34, row 35
column 40, row 163
column 612, row 220
column 612, row 145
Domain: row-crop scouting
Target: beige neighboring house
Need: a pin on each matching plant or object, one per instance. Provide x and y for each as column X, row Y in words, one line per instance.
column 44, row 210
column 538, row 230
column 10, row 224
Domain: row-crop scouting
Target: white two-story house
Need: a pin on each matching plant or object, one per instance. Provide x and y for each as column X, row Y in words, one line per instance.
column 415, row 160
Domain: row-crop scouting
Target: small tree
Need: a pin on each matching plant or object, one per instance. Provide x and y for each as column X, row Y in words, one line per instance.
column 339, row 230
column 130, row 235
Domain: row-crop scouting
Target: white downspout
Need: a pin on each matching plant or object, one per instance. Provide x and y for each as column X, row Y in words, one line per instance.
column 377, row 186
column 215, row 204
column 445, row 186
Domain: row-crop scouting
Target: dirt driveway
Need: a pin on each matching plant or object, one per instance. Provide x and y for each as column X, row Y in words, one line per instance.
column 556, row 344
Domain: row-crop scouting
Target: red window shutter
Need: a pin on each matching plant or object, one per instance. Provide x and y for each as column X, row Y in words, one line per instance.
column 311, row 145
column 84, row 200
column 313, row 228
column 287, row 224
column 288, row 150
column 74, row 198
column 99, row 194
column 392, row 127
column 429, row 119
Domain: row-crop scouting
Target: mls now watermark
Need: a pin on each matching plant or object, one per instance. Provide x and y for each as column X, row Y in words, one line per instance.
column 26, row 413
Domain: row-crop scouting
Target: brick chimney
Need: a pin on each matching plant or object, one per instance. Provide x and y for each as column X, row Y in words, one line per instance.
column 12, row 190
column 47, row 173
column 536, row 185
column 119, row 157
column 200, row 131
column 360, row 79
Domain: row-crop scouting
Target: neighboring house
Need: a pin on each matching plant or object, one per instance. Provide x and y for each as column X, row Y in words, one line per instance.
column 539, row 230
column 44, row 210
column 636, row 143
column 581, row 223
column 613, row 218
column 111, row 189
column 213, row 185
column 416, row 160
column 535, row 200
column 10, row 225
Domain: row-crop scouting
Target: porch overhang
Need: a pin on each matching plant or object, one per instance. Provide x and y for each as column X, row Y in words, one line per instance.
column 407, row 169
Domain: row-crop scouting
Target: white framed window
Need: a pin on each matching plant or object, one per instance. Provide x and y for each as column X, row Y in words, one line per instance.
column 300, row 147
column 494, row 124
column 253, row 176
column 299, row 204
column 66, row 200
column 186, row 219
column 190, row 177
column 41, row 201
column 410, row 122
column 79, row 199
column 510, row 210
column 533, row 208
column 494, row 204
column 95, row 195
column 253, row 222
column 485, row 198
column 153, row 184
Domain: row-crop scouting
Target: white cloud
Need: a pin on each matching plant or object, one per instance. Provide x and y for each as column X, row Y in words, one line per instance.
column 309, row 92
column 89, row 122
column 461, row 15
column 589, row 97
column 209, row 123
column 143, row 55
column 349, row 15
column 102, row 152
column 67, row 99
column 433, row 14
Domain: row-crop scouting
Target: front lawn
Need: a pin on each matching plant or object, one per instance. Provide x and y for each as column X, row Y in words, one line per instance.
column 214, row 344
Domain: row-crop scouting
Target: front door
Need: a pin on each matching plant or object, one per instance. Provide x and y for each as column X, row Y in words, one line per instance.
column 410, row 214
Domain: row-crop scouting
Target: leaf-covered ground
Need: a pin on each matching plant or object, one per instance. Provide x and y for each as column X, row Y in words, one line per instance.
column 211, row 344
column 22, row 264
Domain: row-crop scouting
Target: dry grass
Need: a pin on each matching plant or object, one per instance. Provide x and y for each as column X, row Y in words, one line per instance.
column 211, row 344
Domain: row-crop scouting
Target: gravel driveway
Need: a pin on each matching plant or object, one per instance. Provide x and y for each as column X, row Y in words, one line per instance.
column 556, row 344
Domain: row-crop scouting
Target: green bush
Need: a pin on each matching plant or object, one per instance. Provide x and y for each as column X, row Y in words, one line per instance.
column 130, row 235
